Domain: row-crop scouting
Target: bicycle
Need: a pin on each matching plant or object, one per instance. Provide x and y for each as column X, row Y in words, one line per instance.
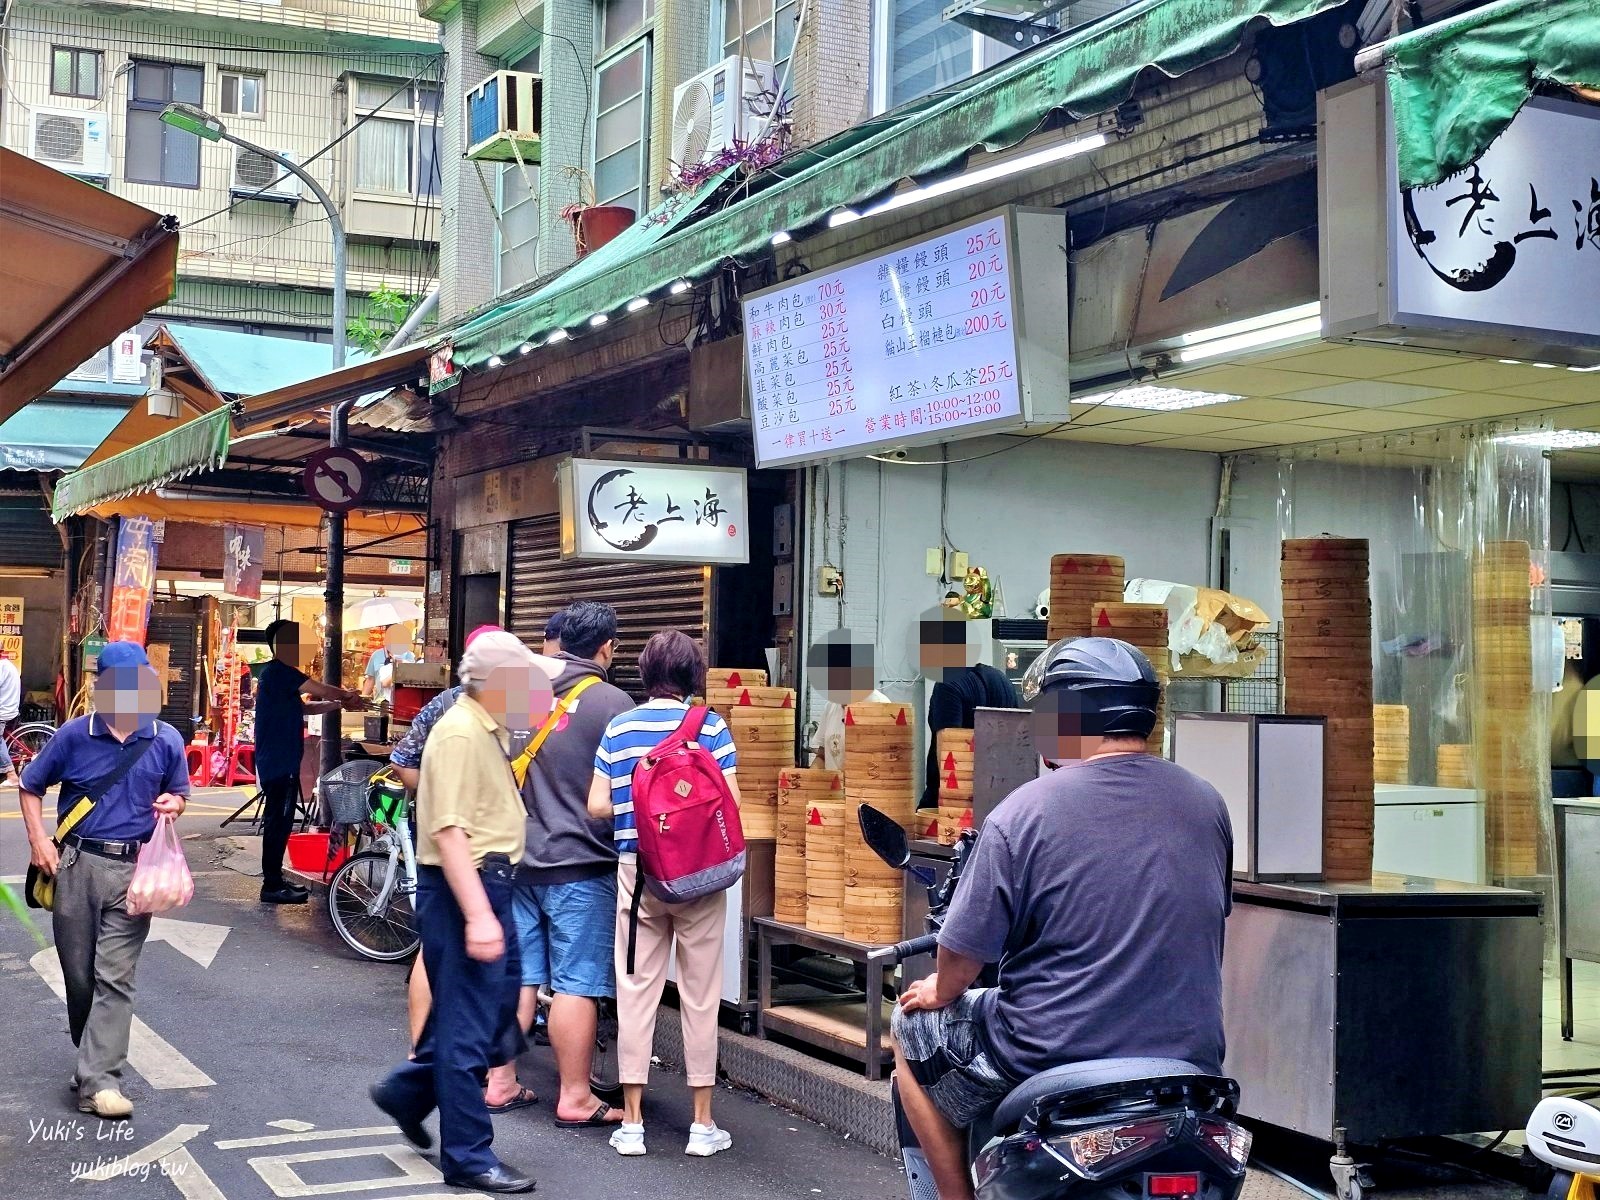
column 372, row 896
column 25, row 740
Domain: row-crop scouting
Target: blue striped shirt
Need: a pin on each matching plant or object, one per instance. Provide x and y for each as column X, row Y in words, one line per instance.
column 633, row 735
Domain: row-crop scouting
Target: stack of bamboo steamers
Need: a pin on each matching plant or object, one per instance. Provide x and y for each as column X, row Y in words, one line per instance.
column 762, row 721
column 1327, row 671
column 805, row 796
column 1391, row 743
column 1507, row 727
column 1143, row 626
column 880, row 770
column 954, row 758
column 1077, row 583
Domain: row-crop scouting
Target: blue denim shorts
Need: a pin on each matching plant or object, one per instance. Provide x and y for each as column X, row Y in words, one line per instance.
column 566, row 931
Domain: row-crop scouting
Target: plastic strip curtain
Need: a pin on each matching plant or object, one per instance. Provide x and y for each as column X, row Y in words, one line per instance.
column 1458, row 523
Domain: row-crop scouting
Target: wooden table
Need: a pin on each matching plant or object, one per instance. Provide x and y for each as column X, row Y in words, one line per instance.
column 851, row 1026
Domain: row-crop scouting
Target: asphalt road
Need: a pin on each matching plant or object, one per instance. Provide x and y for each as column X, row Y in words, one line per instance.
column 263, row 1036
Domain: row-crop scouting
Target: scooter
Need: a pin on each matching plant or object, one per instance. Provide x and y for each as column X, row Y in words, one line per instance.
column 1115, row 1128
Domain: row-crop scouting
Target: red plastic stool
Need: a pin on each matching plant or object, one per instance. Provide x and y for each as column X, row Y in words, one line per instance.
column 199, row 763
column 241, row 764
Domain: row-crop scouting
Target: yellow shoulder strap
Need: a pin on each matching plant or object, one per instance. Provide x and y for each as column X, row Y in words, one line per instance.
column 520, row 764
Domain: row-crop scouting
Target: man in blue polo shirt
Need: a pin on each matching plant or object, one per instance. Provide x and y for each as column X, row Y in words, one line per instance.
column 133, row 767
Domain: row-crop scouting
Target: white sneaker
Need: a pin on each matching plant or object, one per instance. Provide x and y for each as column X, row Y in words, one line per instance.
column 706, row 1140
column 628, row 1140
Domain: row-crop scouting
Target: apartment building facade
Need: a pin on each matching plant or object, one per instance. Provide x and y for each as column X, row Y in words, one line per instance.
column 348, row 88
column 611, row 70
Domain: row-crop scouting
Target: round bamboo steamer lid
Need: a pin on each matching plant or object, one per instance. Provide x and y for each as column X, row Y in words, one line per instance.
column 732, row 677
column 871, row 713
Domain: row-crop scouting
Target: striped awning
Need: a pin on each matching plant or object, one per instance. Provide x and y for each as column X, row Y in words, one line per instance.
column 197, row 445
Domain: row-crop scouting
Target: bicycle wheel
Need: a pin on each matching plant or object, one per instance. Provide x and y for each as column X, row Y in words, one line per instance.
column 386, row 936
column 26, row 740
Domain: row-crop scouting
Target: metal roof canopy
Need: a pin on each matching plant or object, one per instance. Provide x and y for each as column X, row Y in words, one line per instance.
column 81, row 266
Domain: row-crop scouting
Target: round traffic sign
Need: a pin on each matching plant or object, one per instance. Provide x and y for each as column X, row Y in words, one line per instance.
column 336, row 479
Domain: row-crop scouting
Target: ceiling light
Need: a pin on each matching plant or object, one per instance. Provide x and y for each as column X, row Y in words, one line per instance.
column 496, row 361
column 638, row 302
column 1162, row 399
column 781, row 238
column 1304, row 320
column 842, row 216
column 1585, row 370
column 1511, row 362
column 999, row 170
column 1545, row 366
column 1554, row 439
column 598, row 320
column 679, row 286
column 560, row 335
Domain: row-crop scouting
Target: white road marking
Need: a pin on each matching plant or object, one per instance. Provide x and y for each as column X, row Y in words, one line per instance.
column 189, row 1177
column 307, row 1134
column 291, row 1125
column 154, row 1152
column 279, row 1174
column 193, row 939
column 149, row 1054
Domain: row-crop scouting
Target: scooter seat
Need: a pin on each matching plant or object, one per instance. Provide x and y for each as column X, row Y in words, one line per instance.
column 1082, row 1077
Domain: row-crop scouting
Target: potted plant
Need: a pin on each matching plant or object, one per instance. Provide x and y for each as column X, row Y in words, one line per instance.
column 593, row 225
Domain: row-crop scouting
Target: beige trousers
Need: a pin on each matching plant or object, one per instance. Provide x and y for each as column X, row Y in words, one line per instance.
column 696, row 927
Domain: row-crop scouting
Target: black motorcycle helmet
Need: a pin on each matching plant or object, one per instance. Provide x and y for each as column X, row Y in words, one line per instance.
column 1109, row 684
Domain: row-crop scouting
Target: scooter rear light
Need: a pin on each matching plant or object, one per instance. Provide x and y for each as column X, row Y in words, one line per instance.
column 1228, row 1140
column 1095, row 1151
column 1172, row 1185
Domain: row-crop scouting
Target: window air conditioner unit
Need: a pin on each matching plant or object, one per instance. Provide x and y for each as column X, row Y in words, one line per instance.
column 77, row 142
column 717, row 108
column 257, row 177
column 503, row 115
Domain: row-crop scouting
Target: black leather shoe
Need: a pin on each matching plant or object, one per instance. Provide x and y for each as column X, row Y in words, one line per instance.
column 499, row 1178
column 287, row 894
column 410, row 1128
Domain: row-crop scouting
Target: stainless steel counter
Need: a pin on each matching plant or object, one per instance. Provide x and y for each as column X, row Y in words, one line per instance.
column 1397, row 1008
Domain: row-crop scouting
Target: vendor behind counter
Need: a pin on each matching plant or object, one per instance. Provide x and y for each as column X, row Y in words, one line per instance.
column 950, row 653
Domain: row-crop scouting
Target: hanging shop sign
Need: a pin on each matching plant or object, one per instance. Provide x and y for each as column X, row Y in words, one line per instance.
column 133, row 582
column 127, row 365
column 244, row 550
column 1502, row 258
column 636, row 512
column 958, row 333
column 11, row 629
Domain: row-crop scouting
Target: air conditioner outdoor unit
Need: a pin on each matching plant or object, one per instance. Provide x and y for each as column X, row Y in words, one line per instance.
column 77, row 142
column 711, row 111
column 257, row 177
column 503, row 115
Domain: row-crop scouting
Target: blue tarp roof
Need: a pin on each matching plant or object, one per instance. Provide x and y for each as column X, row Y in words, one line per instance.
column 247, row 364
column 55, row 435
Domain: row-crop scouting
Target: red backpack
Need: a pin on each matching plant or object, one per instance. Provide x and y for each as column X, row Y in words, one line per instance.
column 691, row 843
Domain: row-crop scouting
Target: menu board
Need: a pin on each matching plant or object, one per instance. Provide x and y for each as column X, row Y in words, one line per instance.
column 915, row 344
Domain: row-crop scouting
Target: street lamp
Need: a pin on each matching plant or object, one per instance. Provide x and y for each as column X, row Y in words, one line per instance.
column 192, row 119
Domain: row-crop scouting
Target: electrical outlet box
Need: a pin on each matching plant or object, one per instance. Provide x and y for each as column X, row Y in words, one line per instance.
column 958, row 564
column 935, row 562
column 783, row 531
column 783, row 590
column 830, row 581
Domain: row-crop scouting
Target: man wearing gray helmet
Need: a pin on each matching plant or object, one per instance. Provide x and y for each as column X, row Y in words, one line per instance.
column 1100, row 889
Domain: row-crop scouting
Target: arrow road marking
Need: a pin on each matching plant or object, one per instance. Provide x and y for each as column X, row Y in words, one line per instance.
column 193, row 939
column 149, row 1054
column 154, row 1152
column 291, row 1125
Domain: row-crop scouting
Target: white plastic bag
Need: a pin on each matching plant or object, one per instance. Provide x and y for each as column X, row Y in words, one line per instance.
column 161, row 879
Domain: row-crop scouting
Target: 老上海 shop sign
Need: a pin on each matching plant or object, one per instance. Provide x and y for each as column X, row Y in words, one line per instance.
column 644, row 512
column 960, row 332
column 1501, row 259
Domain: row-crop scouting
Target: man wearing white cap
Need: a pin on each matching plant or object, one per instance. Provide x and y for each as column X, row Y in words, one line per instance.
column 470, row 823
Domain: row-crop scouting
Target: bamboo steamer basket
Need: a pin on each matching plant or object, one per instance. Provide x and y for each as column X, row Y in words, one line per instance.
column 1327, row 665
column 1077, row 583
column 1391, row 743
column 797, row 789
column 872, row 912
column 825, row 865
column 1454, row 766
column 874, row 713
column 1506, row 720
column 734, row 677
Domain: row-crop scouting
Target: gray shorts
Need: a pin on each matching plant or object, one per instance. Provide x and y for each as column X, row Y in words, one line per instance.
column 946, row 1052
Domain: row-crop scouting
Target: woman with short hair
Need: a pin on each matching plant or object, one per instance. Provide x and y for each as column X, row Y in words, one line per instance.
column 674, row 670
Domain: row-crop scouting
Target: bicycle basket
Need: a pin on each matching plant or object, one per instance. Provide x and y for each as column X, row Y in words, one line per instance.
column 344, row 791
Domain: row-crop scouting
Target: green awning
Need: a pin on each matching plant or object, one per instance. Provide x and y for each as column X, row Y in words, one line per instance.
column 1456, row 85
column 1082, row 74
column 197, row 445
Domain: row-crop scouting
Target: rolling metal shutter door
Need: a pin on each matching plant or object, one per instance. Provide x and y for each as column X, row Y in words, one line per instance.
column 648, row 597
column 27, row 536
column 181, row 631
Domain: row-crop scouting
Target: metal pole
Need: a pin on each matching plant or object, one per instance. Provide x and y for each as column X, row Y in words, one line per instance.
column 333, row 584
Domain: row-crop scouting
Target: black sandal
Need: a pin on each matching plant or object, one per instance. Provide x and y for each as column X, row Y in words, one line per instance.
column 595, row 1120
column 524, row 1098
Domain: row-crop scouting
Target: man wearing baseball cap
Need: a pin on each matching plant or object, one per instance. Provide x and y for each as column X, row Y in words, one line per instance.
column 130, row 768
column 471, row 828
